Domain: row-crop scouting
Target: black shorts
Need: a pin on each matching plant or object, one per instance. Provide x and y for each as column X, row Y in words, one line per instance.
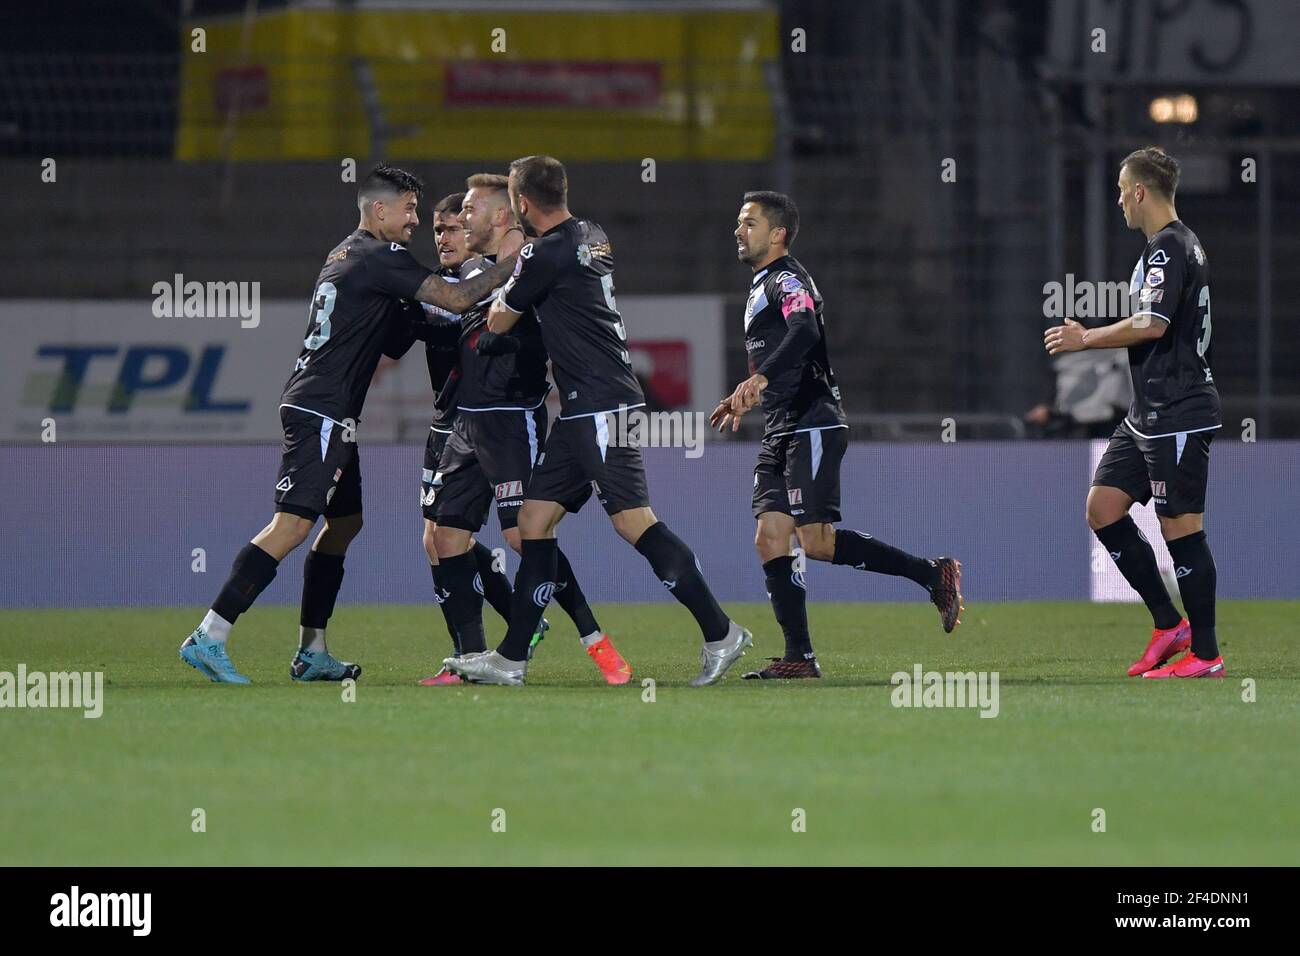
column 430, row 480
column 579, row 458
column 488, row 458
column 1172, row 469
column 799, row 475
column 320, row 467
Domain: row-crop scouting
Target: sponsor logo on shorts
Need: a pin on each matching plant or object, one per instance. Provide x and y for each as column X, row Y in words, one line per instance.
column 284, row 484
column 427, row 498
column 795, row 495
column 543, row 593
column 510, row 489
column 338, row 473
column 1158, row 489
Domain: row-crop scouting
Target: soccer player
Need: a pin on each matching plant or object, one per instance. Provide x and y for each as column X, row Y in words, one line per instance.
column 441, row 358
column 805, row 436
column 567, row 276
column 498, row 436
column 356, row 307
column 1162, row 448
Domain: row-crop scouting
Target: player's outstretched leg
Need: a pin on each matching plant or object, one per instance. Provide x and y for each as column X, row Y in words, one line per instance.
column 1197, row 581
column 785, row 589
column 252, row 570
column 322, row 576
column 1123, row 540
column 940, row 576
column 676, row 566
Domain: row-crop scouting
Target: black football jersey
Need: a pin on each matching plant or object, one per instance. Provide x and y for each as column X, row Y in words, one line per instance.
column 441, row 361
column 358, row 298
column 516, row 380
column 567, row 277
column 1173, row 390
column 803, row 395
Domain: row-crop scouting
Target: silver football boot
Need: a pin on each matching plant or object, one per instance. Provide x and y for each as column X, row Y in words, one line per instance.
column 488, row 667
column 718, row 656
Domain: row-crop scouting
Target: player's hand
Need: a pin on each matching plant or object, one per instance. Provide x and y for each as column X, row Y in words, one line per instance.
column 489, row 343
column 748, row 393
column 511, row 243
column 1064, row 338
column 723, row 416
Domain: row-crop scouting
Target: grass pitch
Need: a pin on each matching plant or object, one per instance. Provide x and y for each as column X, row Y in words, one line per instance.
column 292, row 774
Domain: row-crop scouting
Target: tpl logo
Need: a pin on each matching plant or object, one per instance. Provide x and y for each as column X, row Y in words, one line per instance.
column 142, row 368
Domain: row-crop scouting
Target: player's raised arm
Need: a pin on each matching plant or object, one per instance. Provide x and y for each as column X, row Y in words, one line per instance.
column 459, row 296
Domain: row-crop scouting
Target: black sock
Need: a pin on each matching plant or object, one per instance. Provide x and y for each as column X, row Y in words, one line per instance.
column 570, row 597
column 1132, row 554
column 446, row 611
column 675, row 565
column 534, row 586
column 496, row 586
column 463, row 602
column 322, row 575
column 1197, row 577
column 790, row 604
column 857, row 549
column 251, row 572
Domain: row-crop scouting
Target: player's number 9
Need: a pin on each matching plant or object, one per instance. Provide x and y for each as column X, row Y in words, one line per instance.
column 1203, row 343
column 322, row 305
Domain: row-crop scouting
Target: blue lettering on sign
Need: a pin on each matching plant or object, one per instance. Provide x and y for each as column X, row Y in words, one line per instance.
column 145, row 368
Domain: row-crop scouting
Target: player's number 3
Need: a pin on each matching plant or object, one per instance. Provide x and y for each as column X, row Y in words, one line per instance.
column 1203, row 343
column 322, row 305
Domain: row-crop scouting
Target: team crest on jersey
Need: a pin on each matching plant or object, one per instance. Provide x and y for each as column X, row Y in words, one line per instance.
column 1158, row 258
column 584, row 254
column 510, row 489
column 1155, row 276
column 1198, row 253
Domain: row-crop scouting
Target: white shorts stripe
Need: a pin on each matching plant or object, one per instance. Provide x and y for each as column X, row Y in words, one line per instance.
column 602, row 435
column 1180, row 442
column 531, row 424
column 326, row 426
column 815, row 439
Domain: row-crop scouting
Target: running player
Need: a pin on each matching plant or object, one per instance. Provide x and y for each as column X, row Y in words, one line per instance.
column 805, row 436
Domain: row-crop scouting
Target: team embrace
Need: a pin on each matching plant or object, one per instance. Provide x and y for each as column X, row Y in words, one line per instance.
column 523, row 283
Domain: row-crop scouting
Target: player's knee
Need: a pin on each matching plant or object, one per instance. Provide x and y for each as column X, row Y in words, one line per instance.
column 431, row 541
column 1100, row 512
column 817, row 541
column 449, row 542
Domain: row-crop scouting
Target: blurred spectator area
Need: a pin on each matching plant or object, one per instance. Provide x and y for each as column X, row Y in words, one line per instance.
column 933, row 288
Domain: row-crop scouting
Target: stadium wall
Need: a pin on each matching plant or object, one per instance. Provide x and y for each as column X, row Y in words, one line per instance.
column 87, row 525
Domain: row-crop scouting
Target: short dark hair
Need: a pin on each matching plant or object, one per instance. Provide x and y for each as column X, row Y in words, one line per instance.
column 541, row 179
column 779, row 209
column 1155, row 169
column 449, row 205
column 487, row 181
column 385, row 180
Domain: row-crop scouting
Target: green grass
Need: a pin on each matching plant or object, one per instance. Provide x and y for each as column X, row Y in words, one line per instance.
column 291, row 774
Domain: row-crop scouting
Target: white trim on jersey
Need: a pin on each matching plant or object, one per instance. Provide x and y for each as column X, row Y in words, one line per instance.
column 797, row 431
column 1149, row 312
column 312, row 411
column 602, row 436
column 608, row 411
column 530, row 424
column 815, row 440
column 440, row 431
column 326, row 426
column 1192, row 431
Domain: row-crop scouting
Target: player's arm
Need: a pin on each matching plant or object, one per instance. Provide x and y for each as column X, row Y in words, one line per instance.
column 533, row 277
column 1073, row 337
column 459, row 296
column 800, row 336
column 501, row 319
